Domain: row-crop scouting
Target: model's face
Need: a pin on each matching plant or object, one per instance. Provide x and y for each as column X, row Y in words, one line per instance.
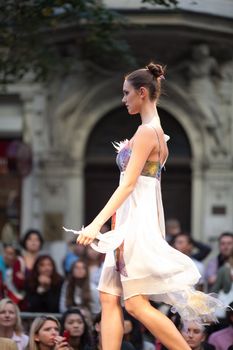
column 131, row 98
column 45, row 268
column 47, row 333
column 8, row 316
column 75, row 325
column 226, row 246
column 194, row 335
column 79, row 270
column 33, row 243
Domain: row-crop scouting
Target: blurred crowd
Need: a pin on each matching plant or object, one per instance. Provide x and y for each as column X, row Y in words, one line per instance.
column 30, row 282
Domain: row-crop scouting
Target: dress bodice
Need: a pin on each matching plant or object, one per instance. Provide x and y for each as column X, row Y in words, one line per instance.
column 151, row 168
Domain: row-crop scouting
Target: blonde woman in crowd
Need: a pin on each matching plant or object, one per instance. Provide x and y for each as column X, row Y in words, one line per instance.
column 11, row 325
column 44, row 335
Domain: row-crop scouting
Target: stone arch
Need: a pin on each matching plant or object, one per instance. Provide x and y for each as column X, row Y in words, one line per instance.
column 101, row 175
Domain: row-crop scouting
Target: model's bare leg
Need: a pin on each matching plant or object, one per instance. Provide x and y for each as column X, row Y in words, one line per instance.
column 156, row 322
column 112, row 324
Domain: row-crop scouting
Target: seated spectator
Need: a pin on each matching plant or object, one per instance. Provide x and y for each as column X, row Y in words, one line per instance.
column 7, row 344
column 224, row 284
column 44, row 334
column 76, row 252
column 79, row 335
column 184, row 243
column 44, row 286
column 223, row 339
column 225, row 249
column 195, row 336
column 98, row 340
column 77, row 290
column 11, row 325
column 200, row 250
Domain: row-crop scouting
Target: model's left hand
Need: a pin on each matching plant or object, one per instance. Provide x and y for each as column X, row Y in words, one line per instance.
column 88, row 234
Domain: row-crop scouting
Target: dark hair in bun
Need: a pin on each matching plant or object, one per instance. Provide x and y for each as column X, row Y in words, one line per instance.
column 148, row 77
column 156, row 70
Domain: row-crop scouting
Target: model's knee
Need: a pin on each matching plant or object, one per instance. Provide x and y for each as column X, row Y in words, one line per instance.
column 108, row 300
column 131, row 307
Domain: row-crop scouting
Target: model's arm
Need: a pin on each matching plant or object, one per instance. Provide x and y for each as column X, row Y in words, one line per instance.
column 144, row 142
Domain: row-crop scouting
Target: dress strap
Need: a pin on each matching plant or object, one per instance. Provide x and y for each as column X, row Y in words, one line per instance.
column 158, row 140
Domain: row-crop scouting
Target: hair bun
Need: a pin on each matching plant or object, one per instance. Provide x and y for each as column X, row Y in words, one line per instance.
column 156, row 70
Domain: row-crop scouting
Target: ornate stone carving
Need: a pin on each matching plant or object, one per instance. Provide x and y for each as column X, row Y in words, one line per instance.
column 204, row 75
column 209, row 95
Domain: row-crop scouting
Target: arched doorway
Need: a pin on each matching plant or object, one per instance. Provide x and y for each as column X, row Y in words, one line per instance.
column 102, row 174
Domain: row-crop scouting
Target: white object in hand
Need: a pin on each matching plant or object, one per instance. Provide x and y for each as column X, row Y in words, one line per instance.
column 103, row 243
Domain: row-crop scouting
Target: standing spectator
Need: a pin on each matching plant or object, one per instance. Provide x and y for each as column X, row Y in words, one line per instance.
column 184, row 243
column 224, row 284
column 11, row 325
column 77, row 290
column 74, row 322
column 173, row 227
column 44, row 334
column 223, row 339
column 195, row 336
column 225, row 248
column 11, row 291
column 7, row 259
column 31, row 243
column 44, row 286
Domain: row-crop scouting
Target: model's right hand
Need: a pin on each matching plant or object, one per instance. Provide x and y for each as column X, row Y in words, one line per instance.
column 88, row 234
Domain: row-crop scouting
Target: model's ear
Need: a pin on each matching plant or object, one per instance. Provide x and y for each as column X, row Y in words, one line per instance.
column 143, row 92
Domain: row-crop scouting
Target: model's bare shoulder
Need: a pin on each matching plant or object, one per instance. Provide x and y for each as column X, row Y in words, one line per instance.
column 145, row 130
column 145, row 135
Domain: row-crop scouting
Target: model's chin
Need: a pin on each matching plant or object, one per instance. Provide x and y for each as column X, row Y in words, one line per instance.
column 132, row 112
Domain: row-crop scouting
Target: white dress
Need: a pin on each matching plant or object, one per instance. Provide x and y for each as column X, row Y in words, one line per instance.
column 145, row 263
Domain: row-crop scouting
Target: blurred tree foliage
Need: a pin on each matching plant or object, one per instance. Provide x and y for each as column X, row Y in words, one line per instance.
column 42, row 36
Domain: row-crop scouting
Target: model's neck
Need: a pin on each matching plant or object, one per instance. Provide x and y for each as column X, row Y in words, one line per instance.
column 149, row 113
